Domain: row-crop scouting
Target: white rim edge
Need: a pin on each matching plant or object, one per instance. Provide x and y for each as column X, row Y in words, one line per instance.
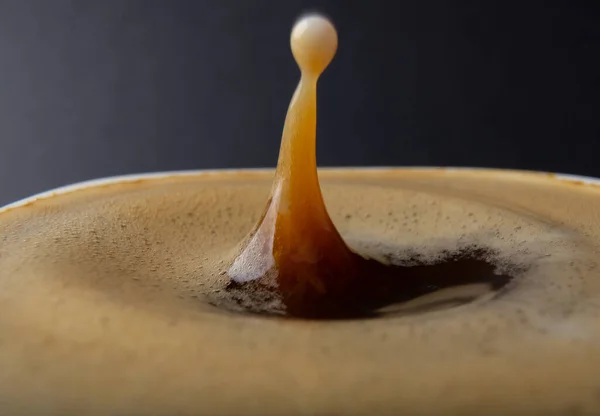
column 157, row 175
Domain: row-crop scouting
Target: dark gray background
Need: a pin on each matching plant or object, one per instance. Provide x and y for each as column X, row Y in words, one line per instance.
column 97, row 88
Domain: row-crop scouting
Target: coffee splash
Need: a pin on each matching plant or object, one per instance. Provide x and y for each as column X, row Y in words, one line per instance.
column 296, row 258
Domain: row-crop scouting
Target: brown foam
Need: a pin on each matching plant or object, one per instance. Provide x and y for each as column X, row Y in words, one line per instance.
column 107, row 302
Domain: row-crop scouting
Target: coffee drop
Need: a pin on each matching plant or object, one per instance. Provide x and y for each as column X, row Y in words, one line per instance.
column 296, row 243
column 295, row 254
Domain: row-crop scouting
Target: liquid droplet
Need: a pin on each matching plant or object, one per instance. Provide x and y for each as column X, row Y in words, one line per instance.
column 296, row 240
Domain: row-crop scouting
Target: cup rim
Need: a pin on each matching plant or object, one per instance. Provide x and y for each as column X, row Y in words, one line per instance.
column 108, row 180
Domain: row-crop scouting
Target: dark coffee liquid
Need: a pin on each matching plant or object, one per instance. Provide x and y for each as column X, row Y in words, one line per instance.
column 374, row 286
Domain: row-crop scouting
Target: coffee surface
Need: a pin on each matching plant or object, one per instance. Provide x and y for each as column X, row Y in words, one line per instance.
column 374, row 292
column 113, row 300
